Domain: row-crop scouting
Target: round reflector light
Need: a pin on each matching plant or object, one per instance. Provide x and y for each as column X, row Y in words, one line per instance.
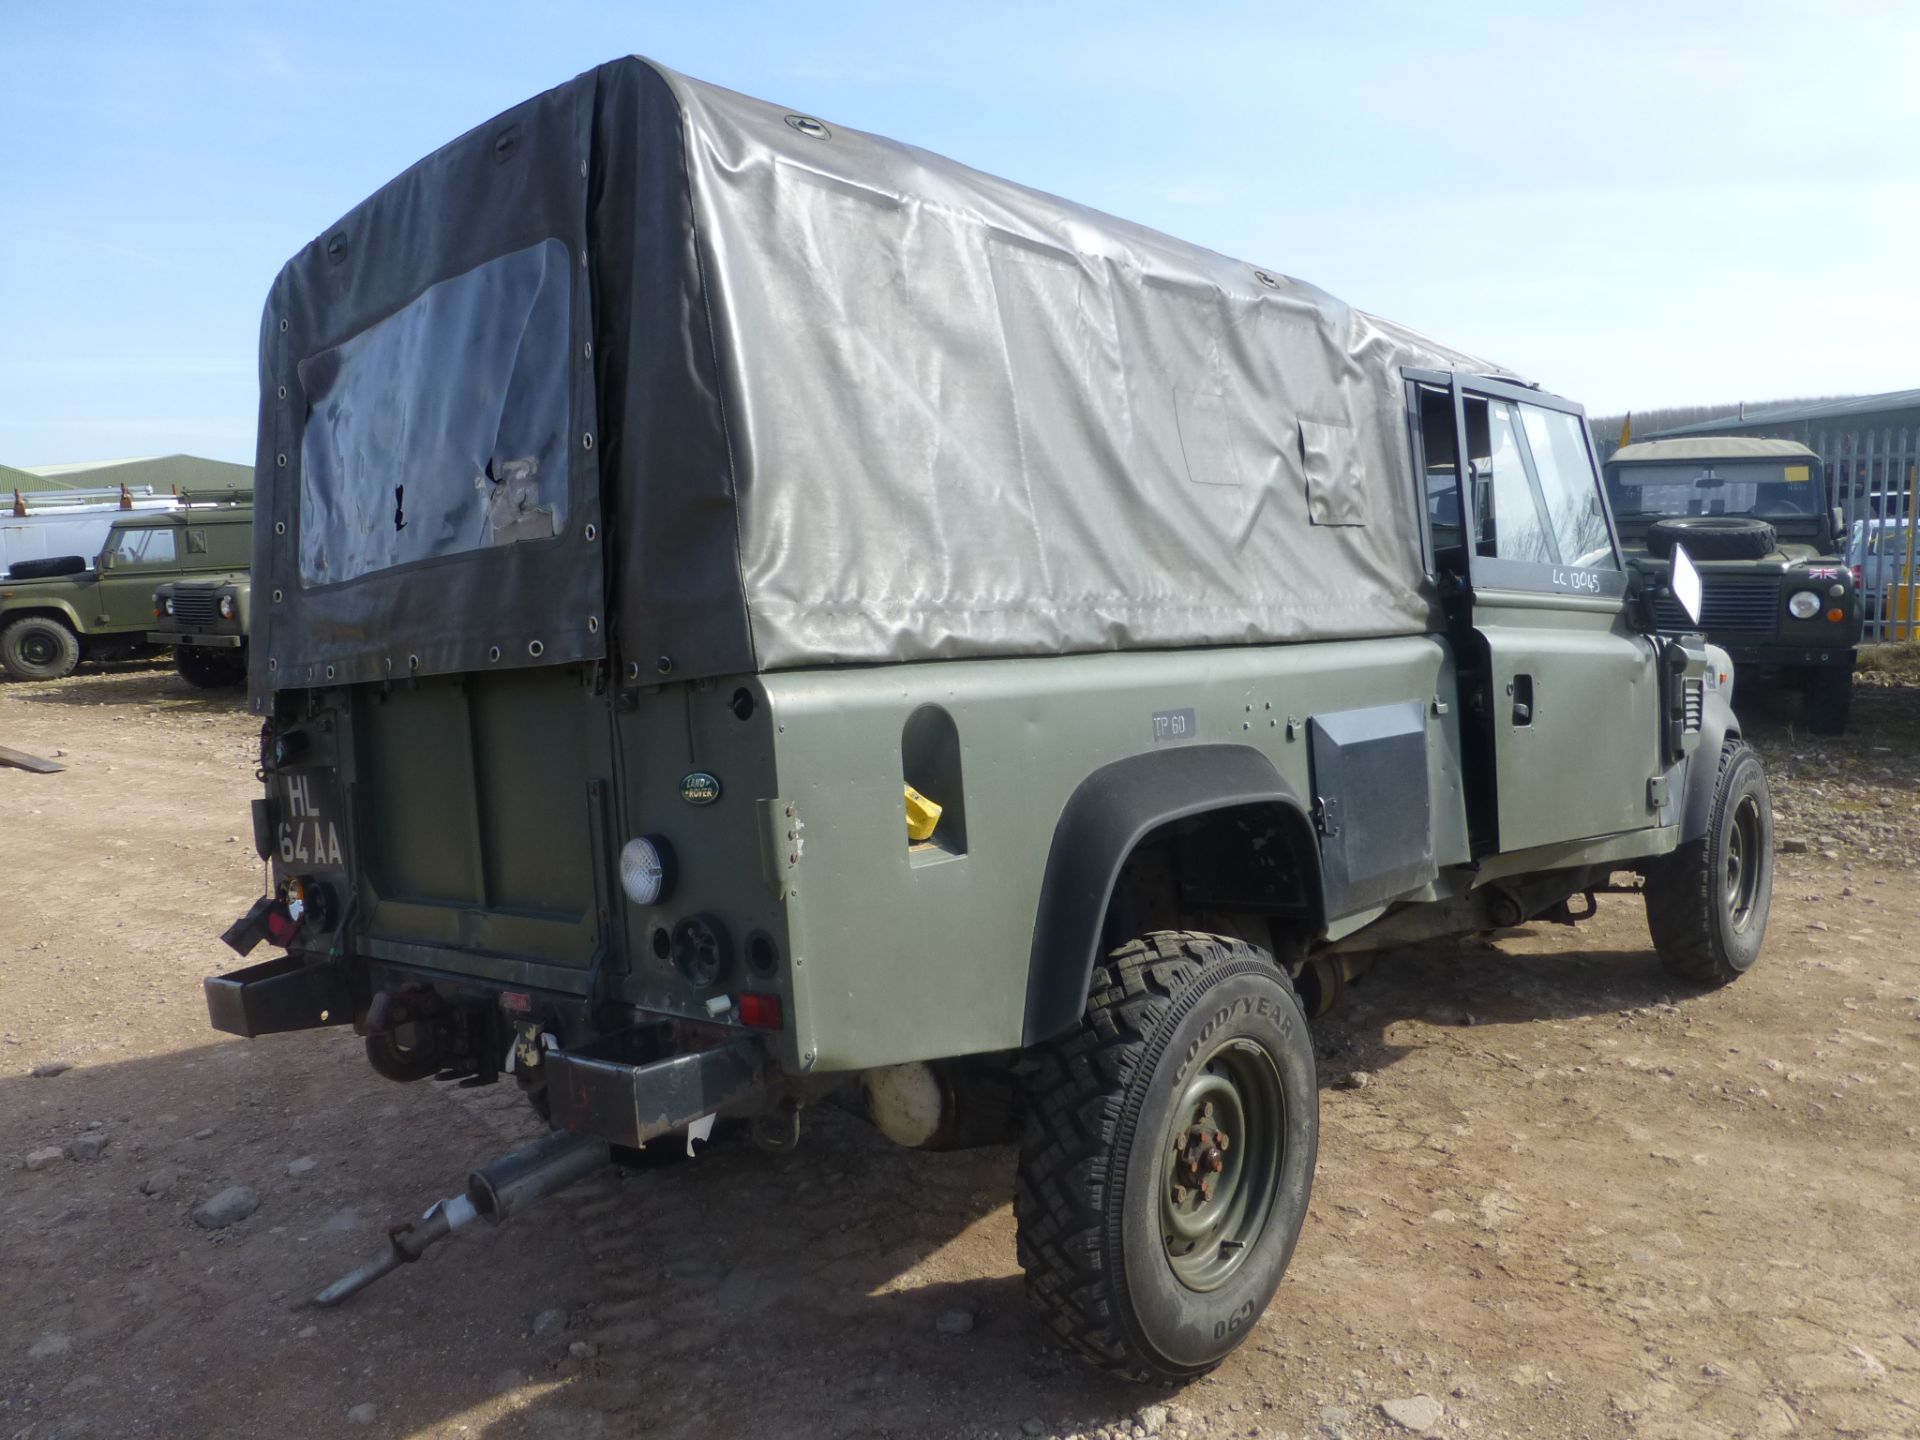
column 1804, row 605
column 643, row 869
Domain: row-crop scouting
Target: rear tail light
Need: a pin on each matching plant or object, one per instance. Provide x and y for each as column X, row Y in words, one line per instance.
column 760, row 1012
column 1859, row 577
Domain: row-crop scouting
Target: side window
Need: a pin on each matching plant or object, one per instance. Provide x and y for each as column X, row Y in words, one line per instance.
column 1565, row 468
column 1538, row 499
column 1512, row 522
column 145, row 547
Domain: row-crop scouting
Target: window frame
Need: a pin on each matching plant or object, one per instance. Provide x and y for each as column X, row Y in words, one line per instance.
column 1490, row 571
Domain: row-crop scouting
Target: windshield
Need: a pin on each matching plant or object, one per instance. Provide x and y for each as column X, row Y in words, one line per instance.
column 1770, row 488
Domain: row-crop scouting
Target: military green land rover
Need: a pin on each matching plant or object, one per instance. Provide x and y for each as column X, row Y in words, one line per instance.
column 205, row 622
column 1756, row 516
column 102, row 610
column 750, row 610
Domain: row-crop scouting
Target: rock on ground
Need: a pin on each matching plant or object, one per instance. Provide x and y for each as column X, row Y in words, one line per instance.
column 229, row 1207
column 87, row 1147
column 1418, row 1413
column 363, row 1414
column 954, row 1322
column 43, row 1157
column 50, row 1069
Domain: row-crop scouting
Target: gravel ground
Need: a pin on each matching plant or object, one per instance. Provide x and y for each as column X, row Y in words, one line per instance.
column 1558, row 1195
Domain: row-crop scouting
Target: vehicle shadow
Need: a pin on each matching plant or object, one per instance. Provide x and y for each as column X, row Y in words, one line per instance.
column 1474, row 982
column 849, row 1288
column 132, row 684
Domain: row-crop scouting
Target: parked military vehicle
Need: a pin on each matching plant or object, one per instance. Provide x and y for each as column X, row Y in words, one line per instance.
column 751, row 609
column 205, row 621
column 1755, row 514
column 102, row 611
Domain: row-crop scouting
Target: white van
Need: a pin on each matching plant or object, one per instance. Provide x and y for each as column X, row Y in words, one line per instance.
column 52, row 525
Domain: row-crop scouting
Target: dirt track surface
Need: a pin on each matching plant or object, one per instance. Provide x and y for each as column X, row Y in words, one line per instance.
column 1569, row 1198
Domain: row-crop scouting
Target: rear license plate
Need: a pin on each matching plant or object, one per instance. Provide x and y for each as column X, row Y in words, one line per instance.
column 308, row 807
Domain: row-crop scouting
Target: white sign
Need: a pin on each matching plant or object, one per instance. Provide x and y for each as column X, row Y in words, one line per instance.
column 1686, row 583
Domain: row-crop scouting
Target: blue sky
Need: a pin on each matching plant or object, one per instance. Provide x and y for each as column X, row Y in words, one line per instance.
column 1637, row 204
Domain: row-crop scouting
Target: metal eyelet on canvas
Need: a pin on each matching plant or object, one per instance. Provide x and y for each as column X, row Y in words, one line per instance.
column 282, row 460
column 493, row 652
column 536, row 649
column 809, row 127
column 1266, row 279
column 593, row 624
column 413, row 662
column 283, row 325
column 283, row 392
column 273, row 664
column 589, row 349
column 329, row 672
column 278, row 596
column 586, row 441
column 279, row 527
column 593, row 533
column 633, row 670
column 664, row 664
column 583, row 169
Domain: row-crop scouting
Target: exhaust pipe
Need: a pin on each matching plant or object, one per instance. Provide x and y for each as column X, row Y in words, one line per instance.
column 494, row 1192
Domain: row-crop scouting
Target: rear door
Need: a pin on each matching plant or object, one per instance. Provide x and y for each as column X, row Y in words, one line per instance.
column 1560, row 692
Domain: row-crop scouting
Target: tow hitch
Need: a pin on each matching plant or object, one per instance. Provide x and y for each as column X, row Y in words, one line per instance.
column 509, row 1184
column 631, row 1087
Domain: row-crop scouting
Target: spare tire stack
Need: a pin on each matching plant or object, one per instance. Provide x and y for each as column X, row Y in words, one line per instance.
column 1713, row 537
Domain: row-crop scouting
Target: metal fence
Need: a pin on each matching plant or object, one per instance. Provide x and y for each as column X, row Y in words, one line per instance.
column 1872, row 473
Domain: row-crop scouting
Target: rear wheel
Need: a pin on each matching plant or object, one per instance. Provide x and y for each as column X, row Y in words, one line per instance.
column 39, row 647
column 209, row 669
column 1707, row 902
column 1168, row 1156
column 1829, row 700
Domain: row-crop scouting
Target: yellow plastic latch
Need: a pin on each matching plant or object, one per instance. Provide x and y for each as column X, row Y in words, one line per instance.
column 922, row 815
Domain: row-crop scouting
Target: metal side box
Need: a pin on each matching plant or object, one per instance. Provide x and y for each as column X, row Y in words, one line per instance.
column 644, row 1082
column 275, row 996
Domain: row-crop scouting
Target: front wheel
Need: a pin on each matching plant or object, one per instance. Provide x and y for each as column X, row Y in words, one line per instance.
column 1707, row 902
column 208, row 669
column 1168, row 1156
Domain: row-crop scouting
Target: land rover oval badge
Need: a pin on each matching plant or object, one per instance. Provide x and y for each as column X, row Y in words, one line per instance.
column 699, row 788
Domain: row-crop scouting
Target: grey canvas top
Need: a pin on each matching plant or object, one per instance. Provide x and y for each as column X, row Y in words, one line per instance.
column 1708, row 447
column 854, row 402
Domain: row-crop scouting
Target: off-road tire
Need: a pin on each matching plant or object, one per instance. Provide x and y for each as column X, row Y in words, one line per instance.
column 1713, row 537
column 1829, row 699
column 1708, row 920
column 1102, row 1100
column 209, row 669
column 51, row 566
column 39, row 647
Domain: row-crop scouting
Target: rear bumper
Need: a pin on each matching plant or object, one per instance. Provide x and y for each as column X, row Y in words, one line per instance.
column 631, row 1087
column 280, row 995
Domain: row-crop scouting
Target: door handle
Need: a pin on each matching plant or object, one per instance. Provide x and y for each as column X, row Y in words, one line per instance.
column 1521, row 689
